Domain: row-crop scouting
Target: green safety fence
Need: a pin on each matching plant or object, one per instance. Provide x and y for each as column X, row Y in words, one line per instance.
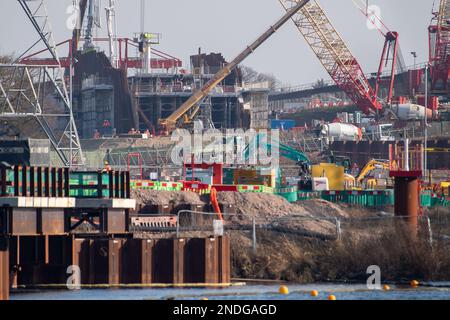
column 378, row 199
column 308, row 195
column 430, row 199
column 445, row 203
column 371, row 199
column 290, row 193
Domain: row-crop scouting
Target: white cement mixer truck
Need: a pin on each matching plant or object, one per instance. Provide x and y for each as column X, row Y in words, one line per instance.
column 340, row 132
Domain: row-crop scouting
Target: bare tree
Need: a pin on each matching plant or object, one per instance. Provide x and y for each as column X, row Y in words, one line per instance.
column 250, row 75
column 319, row 84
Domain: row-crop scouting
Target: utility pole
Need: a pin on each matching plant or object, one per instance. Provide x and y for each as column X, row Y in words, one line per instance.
column 414, row 54
column 142, row 16
column 71, row 113
column 425, row 145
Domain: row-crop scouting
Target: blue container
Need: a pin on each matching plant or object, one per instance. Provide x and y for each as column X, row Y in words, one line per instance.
column 284, row 124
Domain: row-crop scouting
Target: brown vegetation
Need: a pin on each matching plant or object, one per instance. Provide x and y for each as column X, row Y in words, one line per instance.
column 300, row 250
column 387, row 244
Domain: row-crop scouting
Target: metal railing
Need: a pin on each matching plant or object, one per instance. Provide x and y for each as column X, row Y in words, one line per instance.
column 178, row 88
column 196, row 224
column 328, row 83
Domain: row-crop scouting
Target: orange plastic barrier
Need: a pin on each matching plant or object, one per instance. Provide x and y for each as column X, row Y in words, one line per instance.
column 215, row 203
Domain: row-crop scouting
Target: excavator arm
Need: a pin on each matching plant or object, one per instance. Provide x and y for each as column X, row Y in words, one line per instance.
column 188, row 109
column 370, row 166
column 284, row 151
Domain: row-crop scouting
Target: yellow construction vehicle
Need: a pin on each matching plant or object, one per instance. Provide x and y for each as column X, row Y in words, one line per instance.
column 371, row 183
column 445, row 188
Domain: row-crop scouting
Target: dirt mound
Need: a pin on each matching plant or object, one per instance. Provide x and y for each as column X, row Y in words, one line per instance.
column 260, row 204
column 323, row 208
column 159, row 197
column 277, row 211
column 252, row 205
column 265, row 208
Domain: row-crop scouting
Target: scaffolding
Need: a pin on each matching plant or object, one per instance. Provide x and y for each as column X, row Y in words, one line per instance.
column 22, row 90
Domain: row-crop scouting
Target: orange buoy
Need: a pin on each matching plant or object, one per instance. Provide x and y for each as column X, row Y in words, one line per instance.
column 283, row 290
column 414, row 283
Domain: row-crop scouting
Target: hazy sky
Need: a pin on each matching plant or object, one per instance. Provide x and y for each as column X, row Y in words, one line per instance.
column 227, row 26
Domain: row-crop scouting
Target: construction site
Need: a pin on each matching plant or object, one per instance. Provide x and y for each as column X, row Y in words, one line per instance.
column 123, row 166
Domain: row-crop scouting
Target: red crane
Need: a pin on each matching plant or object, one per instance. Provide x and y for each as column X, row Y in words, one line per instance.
column 439, row 38
column 336, row 57
column 391, row 54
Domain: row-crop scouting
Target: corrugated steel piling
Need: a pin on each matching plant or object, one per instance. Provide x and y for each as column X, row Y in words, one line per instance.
column 52, row 220
column 4, row 269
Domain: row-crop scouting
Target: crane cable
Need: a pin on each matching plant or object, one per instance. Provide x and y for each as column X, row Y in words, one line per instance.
column 365, row 11
column 374, row 18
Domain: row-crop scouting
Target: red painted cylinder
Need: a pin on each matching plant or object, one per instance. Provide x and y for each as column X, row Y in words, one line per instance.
column 407, row 197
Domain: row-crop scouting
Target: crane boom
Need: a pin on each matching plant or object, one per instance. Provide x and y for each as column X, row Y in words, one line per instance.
column 440, row 47
column 370, row 166
column 333, row 53
column 171, row 122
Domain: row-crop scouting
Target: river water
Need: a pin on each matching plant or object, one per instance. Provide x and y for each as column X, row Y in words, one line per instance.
column 431, row 291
